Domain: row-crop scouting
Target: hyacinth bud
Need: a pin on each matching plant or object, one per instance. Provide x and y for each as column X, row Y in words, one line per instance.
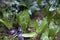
column 12, row 31
column 20, row 37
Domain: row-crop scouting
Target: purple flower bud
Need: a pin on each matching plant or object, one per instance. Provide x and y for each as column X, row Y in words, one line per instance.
column 20, row 37
column 12, row 31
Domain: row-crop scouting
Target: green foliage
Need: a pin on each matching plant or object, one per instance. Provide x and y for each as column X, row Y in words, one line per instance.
column 5, row 38
column 6, row 22
column 42, row 27
column 33, row 34
column 51, row 29
column 44, row 35
column 20, row 15
column 39, row 1
column 23, row 19
column 50, row 32
column 27, row 2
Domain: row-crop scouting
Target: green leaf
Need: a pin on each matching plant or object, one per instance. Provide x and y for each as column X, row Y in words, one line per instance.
column 52, row 32
column 43, row 26
column 39, row 1
column 50, row 38
column 33, row 34
column 6, row 38
column 5, row 21
column 51, row 29
column 58, row 10
column 1, row 21
column 44, row 35
column 47, row 13
column 23, row 19
column 51, row 25
column 57, row 30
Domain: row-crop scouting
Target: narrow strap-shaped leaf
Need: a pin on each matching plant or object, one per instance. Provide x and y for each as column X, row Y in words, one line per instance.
column 33, row 34
column 43, row 25
column 51, row 25
column 44, row 35
column 23, row 19
column 6, row 22
column 51, row 29
column 1, row 20
column 57, row 30
column 12, row 20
